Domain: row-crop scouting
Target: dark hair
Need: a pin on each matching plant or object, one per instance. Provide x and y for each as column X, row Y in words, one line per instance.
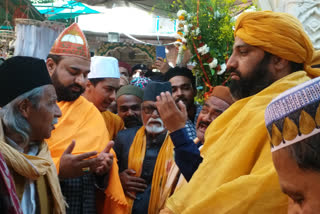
column 180, row 71
column 55, row 58
column 306, row 153
column 296, row 66
column 95, row 81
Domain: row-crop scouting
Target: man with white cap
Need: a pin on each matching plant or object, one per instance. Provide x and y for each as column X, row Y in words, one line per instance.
column 104, row 80
column 293, row 120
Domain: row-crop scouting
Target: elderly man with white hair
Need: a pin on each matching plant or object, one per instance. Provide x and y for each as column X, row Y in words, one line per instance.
column 28, row 114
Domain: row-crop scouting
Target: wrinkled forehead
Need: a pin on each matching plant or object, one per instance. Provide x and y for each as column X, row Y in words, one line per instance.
column 149, row 103
column 216, row 103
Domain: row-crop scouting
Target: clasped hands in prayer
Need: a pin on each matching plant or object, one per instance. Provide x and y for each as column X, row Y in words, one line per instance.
column 72, row 166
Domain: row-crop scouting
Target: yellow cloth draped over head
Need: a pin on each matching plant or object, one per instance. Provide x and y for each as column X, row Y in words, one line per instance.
column 237, row 173
column 280, row 34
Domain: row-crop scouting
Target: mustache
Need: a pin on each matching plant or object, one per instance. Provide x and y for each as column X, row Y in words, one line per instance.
column 183, row 99
column 233, row 70
column 130, row 118
column 54, row 121
column 203, row 123
column 155, row 120
column 76, row 85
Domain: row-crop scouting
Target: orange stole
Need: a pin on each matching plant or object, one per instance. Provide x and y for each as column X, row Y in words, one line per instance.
column 160, row 174
column 81, row 121
column 113, row 123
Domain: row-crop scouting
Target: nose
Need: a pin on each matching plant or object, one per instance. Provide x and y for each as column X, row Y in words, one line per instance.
column 232, row 63
column 178, row 92
column 129, row 112
column 81, row 79
column 113, row 95
column 155, row 114
column 57, row 111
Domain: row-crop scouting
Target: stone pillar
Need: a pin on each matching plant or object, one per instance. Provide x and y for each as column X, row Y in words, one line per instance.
column 307, row 11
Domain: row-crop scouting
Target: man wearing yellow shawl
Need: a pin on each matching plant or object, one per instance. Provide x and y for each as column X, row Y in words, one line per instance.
column 271, row 54
column 27, row 116
column 104, row 80
column 145, row 156
column 82, row 174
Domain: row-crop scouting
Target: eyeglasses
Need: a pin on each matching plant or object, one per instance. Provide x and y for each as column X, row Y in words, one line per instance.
column 149, row 109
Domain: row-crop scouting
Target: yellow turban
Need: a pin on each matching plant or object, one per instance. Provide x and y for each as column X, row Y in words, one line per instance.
column 280, row 34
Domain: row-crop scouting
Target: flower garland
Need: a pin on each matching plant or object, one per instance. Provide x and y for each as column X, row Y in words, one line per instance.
column 206, row 28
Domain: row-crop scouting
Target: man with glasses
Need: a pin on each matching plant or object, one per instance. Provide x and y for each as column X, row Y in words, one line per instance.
column 184, row 89
column 145, row 155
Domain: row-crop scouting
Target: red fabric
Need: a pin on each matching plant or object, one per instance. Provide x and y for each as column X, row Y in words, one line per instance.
column 10, row 190
column 71, row 42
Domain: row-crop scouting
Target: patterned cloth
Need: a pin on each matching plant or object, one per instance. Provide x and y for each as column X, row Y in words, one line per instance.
column 140, row 82
column 191, row 126
column 293, row 115
column 9, row 202
column 80, row 194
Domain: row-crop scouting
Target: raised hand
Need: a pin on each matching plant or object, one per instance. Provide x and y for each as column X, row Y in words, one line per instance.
column 104, row 160
column 131, row 183
column 174, row 118
column 72, row 166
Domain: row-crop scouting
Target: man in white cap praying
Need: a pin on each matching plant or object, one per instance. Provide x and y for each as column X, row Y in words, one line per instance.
column 104, row 81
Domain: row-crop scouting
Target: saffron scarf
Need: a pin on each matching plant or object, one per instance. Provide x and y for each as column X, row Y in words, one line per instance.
column 113, row 123
column 32, row 167
column 81, row 121
column 163, row 165
column 237, row 173
column 175, row 180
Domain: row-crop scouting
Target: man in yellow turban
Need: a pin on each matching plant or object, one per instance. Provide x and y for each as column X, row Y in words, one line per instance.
column 271, row 54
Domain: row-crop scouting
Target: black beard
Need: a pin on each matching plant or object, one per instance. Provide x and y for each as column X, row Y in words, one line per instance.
column 132, row 121
column 64, row 93
column 258, row 79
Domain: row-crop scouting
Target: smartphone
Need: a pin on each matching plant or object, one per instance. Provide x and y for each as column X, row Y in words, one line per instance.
column 161, row 51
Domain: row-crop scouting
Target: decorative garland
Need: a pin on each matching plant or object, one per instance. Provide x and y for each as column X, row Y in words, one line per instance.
column 206, row 28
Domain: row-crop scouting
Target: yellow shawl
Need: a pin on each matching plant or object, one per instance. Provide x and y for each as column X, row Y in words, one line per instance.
column 81, row 121
column 113, row 122
column 32, row 167
column 161, row 169
column 237, row 173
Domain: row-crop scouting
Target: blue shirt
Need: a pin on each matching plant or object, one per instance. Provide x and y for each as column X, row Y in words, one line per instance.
column 187, row 154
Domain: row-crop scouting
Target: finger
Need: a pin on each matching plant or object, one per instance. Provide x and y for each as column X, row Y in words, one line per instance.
column 136, row 185
column 160, row 58
column 108, row 147
column 135, row 189
column 85, row 155
column 130, row 171
column 70, row 147
column 182, row 107
column 136, row 179
column 130, row 195
column 92, row 163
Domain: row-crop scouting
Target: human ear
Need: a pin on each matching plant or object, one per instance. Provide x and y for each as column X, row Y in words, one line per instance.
column 51, row 66
column 279, row 63
column 24, row 108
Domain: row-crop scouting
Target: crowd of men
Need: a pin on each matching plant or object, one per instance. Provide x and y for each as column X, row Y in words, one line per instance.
column 80, row 134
